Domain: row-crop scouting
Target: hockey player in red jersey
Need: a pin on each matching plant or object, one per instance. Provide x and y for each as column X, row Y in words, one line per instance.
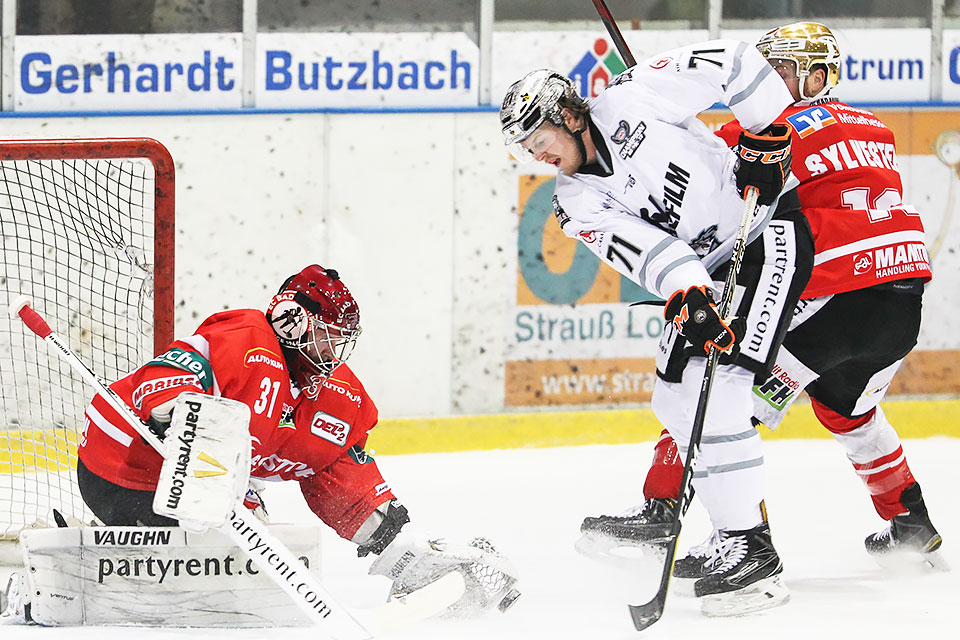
column 859, row 314
column 310, row 418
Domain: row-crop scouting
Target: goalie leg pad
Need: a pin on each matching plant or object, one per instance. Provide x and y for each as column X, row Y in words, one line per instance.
column 207, row 464
column 157, row 576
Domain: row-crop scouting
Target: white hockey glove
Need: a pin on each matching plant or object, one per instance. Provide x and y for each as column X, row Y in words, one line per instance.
column 412, row 561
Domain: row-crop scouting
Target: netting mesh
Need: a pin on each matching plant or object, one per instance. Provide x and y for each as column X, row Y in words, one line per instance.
column 76, row 236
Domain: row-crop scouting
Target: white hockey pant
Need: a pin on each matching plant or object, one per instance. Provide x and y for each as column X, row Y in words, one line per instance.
column 728, row 474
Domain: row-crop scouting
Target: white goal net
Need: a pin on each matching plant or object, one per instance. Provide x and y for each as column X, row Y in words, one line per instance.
column 86, row 231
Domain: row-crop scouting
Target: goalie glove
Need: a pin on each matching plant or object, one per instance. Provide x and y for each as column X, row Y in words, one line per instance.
column 763, row 161
column 694, row 315
column 413, row 561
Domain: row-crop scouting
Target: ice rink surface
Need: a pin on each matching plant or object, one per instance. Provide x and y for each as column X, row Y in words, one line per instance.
column 530, row 504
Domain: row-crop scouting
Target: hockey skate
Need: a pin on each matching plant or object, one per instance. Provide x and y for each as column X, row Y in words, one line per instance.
column 644, row 529
column 690, row 568
column 742, row 574
column 909, row 539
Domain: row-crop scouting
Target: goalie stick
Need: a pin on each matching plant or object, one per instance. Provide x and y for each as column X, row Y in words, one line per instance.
column 252, row 536
column 644, row 615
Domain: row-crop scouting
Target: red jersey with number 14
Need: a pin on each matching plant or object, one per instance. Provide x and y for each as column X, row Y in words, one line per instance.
column 851, row 194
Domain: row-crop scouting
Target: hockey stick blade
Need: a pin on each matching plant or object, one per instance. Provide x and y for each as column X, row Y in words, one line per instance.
column 418, row 605
column 645, row 615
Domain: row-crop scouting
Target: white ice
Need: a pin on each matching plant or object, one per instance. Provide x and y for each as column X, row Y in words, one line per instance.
column 530, row 503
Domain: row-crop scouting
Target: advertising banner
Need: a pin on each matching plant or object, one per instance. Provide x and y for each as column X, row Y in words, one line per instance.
column 951, row 65
column 128, row 72
column 589, row 58
column 575, row 337
column 877, row 65
column 305, row 70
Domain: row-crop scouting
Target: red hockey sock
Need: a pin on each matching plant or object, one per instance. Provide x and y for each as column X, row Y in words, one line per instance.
column 865, row 439
column 666, row 471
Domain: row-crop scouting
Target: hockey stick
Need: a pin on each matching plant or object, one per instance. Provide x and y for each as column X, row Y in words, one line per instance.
column 645, row 615
column 614, row 31
column 252, row 536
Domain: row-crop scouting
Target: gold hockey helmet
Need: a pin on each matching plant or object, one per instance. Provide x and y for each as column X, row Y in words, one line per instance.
column 807, row 44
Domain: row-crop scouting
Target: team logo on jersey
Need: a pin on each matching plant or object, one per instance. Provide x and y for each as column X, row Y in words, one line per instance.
column 811, row 120
column 660, row 63
column 629, row 139
column 330, row 428
column 186, row 361
column 705, row 242
column 344, row 389
column 596, row 69
column 277, row 466
column 778, row 389
column 161, row 384
column 588, row 236
column 862, row 263
column 261, row 355
column 359, row 455
column 286, row 417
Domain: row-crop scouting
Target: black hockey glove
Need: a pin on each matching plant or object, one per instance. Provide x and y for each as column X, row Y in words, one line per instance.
column 763, row 161
column 393, row 520
column 695, row 316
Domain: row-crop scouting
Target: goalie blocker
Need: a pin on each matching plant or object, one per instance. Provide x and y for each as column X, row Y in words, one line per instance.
column 206, row 467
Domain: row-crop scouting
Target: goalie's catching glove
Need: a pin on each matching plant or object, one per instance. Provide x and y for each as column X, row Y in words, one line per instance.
column 763, row 161
column 695, row 317
column 412, row 561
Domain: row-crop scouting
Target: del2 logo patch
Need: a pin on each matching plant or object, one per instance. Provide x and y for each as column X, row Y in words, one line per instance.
column 330, row 428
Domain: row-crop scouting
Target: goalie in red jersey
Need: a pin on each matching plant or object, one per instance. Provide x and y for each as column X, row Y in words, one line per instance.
column 858, row 316
column 309, row 421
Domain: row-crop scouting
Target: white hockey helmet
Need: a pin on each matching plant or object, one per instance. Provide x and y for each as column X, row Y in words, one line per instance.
column 535, row 98
column 807, row 44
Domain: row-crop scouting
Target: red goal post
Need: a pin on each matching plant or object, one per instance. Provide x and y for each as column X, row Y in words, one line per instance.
column 87, row 231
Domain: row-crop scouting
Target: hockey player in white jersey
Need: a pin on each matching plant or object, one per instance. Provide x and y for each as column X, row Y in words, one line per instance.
column 653, row 193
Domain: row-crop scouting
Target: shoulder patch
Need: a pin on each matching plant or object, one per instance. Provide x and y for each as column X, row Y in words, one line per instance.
column 629, row 139
column 811, row 120
column 187, row 361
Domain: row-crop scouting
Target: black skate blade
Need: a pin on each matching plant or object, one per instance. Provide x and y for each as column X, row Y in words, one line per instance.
column 644, row 615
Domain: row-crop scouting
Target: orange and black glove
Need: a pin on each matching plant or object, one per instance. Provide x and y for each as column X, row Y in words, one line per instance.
column 695, row 317
column 763, row 161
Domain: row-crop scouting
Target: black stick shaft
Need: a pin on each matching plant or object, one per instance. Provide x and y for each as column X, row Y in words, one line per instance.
column 614, row 32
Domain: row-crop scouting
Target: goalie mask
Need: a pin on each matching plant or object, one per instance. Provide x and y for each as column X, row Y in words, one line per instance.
column 807, row 44
column 317, row 323
column 538, row 97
